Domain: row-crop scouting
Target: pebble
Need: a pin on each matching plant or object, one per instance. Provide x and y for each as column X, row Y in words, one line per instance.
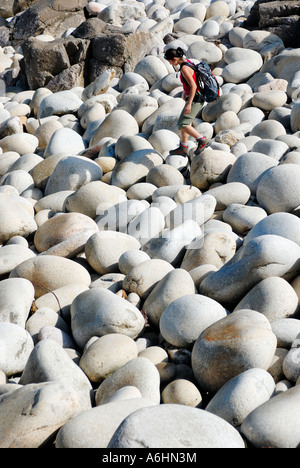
column 182, row 392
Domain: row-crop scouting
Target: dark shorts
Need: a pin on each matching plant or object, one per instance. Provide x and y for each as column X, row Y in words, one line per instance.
column 185, row 120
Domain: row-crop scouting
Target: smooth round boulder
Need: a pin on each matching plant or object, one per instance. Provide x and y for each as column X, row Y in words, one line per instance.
column 64, row 140
column 94, row 428
column 243, row 340
column 19, row 179
column 178, row 428
column 269, row 100
column 163, row 175
column 139, row 372
column 98, row 312
column 48, row 273
column 61, row 228
column 107, row 354
column 16, row 298
column 211, row 166
column 212, row 248
column 170, row 244
column 71, row 173
column 204, row 50
column 281, row 224
column 21, row 428
column 61, row 103
column 263, row 257
column 187, row 317
column 230, row 193
column 275, row 423
column 88, row 197
column 135, row 167
column 43, row 317
column 116, row 124
column 143, row 277
column 48, row 362
column 130, row 259
column 21, row 143
column 279, row 189
column 151, row 68
column 270, row 129
column 17, row 217
column 104, row 249
column 12, row 255
column 243, row 218
column 240, row 70
column 16, row 346
column 199, row 209
column 147, row 225
column 249, row 168
column 274, row 297
column 175, row 284
column 228, row 102
column 286, row 331
column 241, row 395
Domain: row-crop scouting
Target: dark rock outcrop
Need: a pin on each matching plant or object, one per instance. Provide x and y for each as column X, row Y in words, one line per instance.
column 6, row 8
column 278, row 17
column 80, row 58
column 52, row 17
column 56, row 65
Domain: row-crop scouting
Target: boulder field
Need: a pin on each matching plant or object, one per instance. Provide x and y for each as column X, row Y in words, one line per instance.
column 148, row 300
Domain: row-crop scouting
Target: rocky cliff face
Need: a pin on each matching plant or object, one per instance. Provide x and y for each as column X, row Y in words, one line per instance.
column 75, row 60
column 279, row 17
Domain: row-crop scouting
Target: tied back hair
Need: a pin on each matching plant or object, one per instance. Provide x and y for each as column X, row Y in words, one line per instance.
column 171, row 53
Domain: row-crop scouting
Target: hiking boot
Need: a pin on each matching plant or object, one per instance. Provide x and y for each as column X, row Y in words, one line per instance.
column 202, row 144
column 181, row 151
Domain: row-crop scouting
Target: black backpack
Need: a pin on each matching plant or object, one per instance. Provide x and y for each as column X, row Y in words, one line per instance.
column 207, row 82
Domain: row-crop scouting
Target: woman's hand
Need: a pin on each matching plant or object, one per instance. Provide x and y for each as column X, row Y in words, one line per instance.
column 188, row 109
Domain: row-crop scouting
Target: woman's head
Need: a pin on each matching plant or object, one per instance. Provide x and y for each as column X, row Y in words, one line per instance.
column 173, row 55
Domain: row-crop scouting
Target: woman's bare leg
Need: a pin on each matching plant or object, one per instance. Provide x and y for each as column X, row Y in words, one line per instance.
column 187, row 131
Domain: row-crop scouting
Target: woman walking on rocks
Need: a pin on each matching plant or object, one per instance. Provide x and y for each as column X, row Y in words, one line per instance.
column 194, row 103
